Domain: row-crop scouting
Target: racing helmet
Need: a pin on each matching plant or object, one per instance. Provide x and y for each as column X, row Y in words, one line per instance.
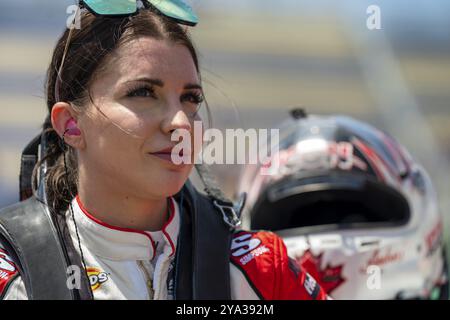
column 353, row 207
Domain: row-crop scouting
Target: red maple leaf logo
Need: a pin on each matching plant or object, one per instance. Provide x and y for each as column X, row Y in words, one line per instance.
column 329, row 278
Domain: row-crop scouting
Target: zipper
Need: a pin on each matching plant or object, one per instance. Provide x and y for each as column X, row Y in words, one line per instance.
column 148, row 280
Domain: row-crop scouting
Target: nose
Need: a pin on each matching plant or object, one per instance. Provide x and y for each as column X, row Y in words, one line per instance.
column 175, row 119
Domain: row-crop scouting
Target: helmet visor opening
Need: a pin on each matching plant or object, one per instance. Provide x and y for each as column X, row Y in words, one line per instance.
column 368, row 205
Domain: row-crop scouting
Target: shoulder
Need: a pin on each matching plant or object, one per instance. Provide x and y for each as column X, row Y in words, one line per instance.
column 13, row 217
column 11, row 285
column 261, row 256
column 17, row 207
column 12, row 220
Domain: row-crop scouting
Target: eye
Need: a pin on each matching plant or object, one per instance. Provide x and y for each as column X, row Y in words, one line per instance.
column 141, row 92
column 194, row 102
column 193, row 97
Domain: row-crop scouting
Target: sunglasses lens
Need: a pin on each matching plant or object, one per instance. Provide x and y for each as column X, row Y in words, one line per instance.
column 112, row 7
column 177, row 10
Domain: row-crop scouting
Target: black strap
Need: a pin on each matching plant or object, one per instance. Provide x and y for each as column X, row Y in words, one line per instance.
column 211, row 246
column 28, row 231
column 183, row 258
column 27, row 164
column 73, row 258
column 206, row 246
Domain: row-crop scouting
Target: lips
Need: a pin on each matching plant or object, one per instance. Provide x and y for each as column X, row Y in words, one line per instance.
column 166, row 154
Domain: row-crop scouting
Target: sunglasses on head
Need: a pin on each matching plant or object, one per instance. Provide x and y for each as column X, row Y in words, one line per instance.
column 176, row 10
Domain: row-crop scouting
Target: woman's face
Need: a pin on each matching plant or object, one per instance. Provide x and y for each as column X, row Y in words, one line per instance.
column 148, row 89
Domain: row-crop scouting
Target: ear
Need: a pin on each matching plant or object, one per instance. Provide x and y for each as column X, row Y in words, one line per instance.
column 61, row 113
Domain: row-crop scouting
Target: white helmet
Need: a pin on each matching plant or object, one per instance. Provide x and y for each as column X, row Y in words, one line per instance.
column 354, row 209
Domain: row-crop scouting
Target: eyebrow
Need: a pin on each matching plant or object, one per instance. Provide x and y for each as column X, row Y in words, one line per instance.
column 160, row 83
column 193, row 86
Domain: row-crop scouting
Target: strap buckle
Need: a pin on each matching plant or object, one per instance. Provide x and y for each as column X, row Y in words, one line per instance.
column 229, row 214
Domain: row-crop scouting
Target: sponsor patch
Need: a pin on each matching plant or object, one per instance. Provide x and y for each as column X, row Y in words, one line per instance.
column 247, row 248
column 96, row 277
column 253, row 254
column 311, row 286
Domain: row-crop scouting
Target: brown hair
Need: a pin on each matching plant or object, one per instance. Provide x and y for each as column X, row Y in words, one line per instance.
column 87, row 54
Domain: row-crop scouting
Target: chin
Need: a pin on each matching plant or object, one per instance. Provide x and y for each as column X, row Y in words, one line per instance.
column 169, row 183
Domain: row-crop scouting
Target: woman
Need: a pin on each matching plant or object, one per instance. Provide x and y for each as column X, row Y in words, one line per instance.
column 125, row 213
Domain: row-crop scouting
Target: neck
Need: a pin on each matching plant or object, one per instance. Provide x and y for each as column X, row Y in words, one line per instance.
column 124, row 210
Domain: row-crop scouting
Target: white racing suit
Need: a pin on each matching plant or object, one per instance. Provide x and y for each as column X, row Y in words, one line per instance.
column 130, row 264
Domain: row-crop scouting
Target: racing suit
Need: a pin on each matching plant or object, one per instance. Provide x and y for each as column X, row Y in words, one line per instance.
column 131, row 264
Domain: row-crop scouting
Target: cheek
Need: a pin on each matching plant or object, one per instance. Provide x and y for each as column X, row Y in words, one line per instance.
column 130, row 122
column 117, row 143
column 122, row 122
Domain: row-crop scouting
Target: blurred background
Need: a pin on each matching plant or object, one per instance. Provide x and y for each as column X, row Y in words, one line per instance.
column 259, row 59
